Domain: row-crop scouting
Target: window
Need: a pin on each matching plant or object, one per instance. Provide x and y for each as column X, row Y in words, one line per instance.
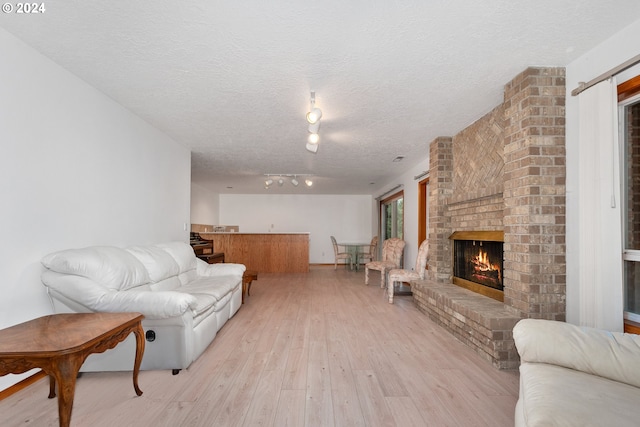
column 392, row 216
column 629, row 108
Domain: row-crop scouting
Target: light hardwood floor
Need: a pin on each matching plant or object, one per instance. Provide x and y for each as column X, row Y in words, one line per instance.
column 315, row 349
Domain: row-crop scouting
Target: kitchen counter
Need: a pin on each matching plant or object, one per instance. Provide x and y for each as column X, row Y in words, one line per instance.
column 286, row 252
column 235, row 232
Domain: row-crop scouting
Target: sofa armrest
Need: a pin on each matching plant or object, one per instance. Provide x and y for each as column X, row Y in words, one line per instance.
column 612, row 355
column 220, row 269
column 87, row 293
column 154, row 305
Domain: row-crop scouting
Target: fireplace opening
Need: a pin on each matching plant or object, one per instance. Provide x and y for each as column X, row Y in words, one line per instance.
column 477, row 262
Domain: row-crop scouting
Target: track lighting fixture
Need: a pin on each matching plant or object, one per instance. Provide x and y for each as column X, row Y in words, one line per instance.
column 280, row 179
column 313, row 118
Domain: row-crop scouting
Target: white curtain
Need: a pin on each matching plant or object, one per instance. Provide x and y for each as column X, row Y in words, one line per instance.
column 600, row 224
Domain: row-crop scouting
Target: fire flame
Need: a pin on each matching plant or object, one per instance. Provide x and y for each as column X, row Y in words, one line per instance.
column 482, row 263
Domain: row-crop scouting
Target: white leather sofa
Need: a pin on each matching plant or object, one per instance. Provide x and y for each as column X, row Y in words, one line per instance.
column 185, row 301
column 576, row 376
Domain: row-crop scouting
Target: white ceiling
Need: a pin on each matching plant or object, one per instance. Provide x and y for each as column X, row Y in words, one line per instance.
column 232, row 80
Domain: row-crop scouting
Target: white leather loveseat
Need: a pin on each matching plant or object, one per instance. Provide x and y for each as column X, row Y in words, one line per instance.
column 576, row 376
column 185, row 301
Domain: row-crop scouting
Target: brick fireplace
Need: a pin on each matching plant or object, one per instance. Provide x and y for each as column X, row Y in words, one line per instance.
column 505, row 174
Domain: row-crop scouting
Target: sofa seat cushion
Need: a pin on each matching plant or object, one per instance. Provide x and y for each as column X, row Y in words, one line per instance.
column 551, row 395
column 169, row 284
column 217, row 286
column 210, row 307
column 211, row 293
column 203, row 304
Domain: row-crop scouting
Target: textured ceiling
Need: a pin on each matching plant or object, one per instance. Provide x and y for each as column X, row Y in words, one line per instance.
column 232, row 80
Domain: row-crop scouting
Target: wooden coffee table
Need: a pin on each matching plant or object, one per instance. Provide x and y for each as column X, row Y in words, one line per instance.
column 59, row 344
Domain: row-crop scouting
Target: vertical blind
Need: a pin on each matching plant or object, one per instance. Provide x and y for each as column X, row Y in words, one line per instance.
column 600, row 224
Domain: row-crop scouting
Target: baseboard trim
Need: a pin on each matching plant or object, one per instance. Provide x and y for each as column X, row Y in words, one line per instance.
column 22, row 384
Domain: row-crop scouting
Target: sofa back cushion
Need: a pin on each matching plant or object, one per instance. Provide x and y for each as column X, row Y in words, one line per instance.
column 159, row 264
column 186, row 259
column 612, row 355
column 111, row 267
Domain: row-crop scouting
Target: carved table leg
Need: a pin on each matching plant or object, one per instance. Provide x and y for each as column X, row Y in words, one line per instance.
column 139, row 332
column 65, row 373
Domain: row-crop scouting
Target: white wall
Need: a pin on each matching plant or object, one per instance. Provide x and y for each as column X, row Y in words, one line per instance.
column 347, row 217
column 76, row 169
column 609, row 54
column 205, row 206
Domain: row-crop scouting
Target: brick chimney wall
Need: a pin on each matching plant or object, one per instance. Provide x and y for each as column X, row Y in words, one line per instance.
column 534, row 194
column 441, row 188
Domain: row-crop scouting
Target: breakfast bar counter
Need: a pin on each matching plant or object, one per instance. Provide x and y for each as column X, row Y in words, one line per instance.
column 264, row 252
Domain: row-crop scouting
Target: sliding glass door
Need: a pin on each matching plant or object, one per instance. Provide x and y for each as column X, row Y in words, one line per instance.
column 392, row 216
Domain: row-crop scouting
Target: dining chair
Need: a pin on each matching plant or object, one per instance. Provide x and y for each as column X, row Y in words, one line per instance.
column 401, row 275
column 371, row 253
column 391, row 257
column 340, row 255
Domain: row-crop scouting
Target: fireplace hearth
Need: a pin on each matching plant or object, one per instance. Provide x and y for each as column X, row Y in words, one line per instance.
column 478, row 262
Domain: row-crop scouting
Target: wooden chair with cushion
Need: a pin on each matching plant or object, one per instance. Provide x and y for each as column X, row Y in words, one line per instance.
column 340, row 255
column 391, row 257
column 399, row 275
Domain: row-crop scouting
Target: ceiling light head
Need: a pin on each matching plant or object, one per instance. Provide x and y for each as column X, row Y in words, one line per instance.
column 313, row 138
column 314, row 115
column 280, row 182
column 312, row 147
column 268, row 182
column 294, row 181
column 308, row 182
